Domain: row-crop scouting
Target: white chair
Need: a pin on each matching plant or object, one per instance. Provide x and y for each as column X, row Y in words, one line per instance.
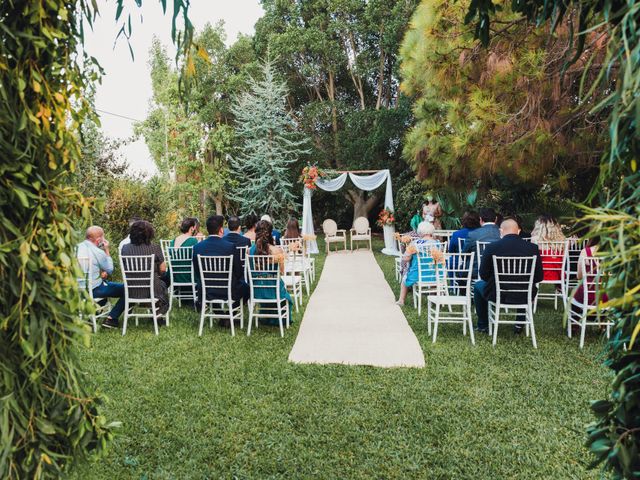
column 243, row 252
column 361, row 232
column 102, row 305
column 443, row 235
column 307, row 261
column 264, row 281
column 553, row 262
column 514, row 294
column 574, row 247
column 427, row 283
column 480, row 246
column 461, row 242
column 454, row 293
column 294, row 274
column 180, row 264
column 138, row 273
column 398, row 260
column 333, row 235
column 216, row 278
column 164, row 246
column 582, row 310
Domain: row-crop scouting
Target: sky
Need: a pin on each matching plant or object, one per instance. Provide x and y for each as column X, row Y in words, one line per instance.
column 126, row 86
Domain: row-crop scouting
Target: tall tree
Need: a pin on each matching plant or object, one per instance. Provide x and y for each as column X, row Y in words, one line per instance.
column 340, row 61
column 504, row 116
column 48, row 416
column 615, row 437
column 269, row 145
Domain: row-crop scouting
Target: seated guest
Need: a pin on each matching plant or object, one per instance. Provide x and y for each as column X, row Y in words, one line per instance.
column 189, row 233
column 126, row 239
column 518, row 219
column 250, row 222
column 265, row 246
column 276, row 233
column 470, row 221
column 293, row 229
column 141, row 234
column 214, row 245
column 547, row 229
column 488, row 232
column 589, row 251
column 409, row 266
column 511, row 245
column 235, row 235
column 96, row 248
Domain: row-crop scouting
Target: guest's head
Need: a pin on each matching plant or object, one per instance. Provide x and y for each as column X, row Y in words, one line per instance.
column 593, row 241
column 190, row 225
column 250, row 221
column 141, row 233
column 515, row 218
column 266, row 218
column 215, row 225
column 470, row 220
column 487, row 215
column 293, row 229
column 133, row 220
column 509, row 227
column 234, row 224
column 425, row 229
column 95, row 234
column 264, row 237
column 547, row 229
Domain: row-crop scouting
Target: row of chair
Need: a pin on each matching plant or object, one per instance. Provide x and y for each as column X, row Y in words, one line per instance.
column 360, row 232
column 261, row 273
column 449, row 288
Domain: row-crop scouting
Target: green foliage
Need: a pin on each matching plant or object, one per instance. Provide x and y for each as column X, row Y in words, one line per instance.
column 615, row 436
column 270, row 145
column 408, row 201
column 235, row 407
column 505, row 115
column 48, row 417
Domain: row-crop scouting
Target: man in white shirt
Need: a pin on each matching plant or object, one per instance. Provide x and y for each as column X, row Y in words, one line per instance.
column 96, row 248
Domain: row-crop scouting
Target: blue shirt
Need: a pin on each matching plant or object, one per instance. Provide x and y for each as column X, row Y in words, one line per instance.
column 453, row 243
column 98, row 261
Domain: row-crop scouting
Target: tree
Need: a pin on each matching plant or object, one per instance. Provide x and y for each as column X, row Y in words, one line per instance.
column 499, row 112
column 49, row 419
column 614, row 438
column 339, row 58
column 270, row 144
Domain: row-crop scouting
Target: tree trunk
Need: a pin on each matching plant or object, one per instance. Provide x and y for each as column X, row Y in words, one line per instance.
column 362, row 205
column 331, row 93
column 218, row 201
column 380, row 71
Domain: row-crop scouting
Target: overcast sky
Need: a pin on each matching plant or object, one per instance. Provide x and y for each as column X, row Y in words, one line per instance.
column 126, row 86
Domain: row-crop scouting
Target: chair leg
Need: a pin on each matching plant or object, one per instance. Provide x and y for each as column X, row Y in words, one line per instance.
column 495, row 326
column 231, row 318
column 202, row 311
column 419, row 301
column 435, row 323
column 583, row 328
column 250, row 305
column 155, row 317
column 429, row 317
column 533, row 330
column 241, row 314
column 470, row 321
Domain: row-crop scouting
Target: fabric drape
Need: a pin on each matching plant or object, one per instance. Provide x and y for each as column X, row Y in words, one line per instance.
column 363, row 182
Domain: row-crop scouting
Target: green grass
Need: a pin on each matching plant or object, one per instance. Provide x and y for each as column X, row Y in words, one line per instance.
column 223, row 407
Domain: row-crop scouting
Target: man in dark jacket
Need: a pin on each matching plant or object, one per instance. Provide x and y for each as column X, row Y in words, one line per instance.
column 235, row 235
column 511, row 245
column 215, row 245
column 488, row 232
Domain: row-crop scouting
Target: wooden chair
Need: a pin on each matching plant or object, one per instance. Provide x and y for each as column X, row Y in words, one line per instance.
column 361, row 232
column 333, row 235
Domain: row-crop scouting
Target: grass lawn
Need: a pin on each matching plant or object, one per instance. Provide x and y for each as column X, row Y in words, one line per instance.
column 223, row 407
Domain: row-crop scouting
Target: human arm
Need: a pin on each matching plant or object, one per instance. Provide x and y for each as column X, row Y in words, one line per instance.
column 105, row 262
column 538, row 275
column 486, row 264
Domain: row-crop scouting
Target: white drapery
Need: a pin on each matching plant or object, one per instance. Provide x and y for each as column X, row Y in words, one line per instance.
column 363, row 182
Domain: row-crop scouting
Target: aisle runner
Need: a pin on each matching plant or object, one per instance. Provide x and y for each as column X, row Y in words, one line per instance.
column 351, row 318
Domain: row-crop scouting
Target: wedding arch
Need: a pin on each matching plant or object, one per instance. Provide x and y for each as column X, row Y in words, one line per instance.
column 363, row 182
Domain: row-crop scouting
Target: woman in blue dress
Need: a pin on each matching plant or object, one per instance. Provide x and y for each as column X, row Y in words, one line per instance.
column 265, row 246
column 425, row 234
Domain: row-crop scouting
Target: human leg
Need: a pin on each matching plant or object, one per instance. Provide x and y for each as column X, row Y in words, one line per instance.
column 481, row 304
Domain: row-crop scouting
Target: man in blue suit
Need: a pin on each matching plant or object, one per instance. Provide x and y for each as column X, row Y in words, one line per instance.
column 488, row 232
column 235, row 236
column 511, row 245
column 215, row 245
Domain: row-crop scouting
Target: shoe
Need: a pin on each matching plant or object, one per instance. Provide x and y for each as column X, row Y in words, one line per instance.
column 110, row 323
column 517, row 329
column 481, row 330
column 399, row 303
column 224, row 323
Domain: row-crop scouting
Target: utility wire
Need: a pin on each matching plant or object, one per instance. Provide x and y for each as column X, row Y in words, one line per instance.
column 118, row 115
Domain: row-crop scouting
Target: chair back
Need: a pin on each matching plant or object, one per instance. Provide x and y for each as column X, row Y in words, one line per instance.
column 329, row 227
column 216, row 274
column 591, row 281
column 553, row 258
column 426, row 247
column 243, row 251
column 137, row 274
column 84, row 280
column 445, row 235
column 180, row 263
column 164, row 246
column 361, row 225
column 514, row 279
column 480, row 246
column 455, row 273
column 426, row 262
column 574, row 247
column 264, row 277
column 287, row 243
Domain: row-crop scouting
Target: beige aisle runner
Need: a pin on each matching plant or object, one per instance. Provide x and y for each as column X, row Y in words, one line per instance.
column 352, row 318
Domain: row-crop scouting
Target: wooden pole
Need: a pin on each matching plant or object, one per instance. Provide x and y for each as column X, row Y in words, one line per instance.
column 356, row 171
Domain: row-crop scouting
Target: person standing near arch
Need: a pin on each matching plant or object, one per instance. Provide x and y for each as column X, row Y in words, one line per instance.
column 432, row 212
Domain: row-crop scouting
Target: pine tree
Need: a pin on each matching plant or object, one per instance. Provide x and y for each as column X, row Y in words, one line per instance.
column 269, row 145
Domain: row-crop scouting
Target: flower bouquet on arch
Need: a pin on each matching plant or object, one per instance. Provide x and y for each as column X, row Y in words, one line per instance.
column 310, row 175
column 385, row 217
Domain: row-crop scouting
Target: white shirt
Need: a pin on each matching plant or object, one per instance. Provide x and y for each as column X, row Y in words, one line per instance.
column 125, row 241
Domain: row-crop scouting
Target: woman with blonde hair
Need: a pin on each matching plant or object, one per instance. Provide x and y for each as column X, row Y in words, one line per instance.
column 547, row 229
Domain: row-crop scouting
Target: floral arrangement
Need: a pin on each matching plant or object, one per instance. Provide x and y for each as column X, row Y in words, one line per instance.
column 310, row 175
column 385, row 218
column 437, row 255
